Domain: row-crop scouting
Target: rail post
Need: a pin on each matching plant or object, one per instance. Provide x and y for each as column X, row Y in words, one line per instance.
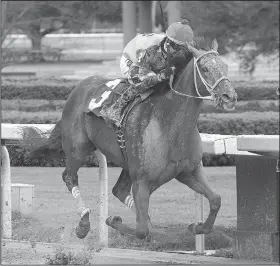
column 6, row 193
column 103, row 198
column 199, row 239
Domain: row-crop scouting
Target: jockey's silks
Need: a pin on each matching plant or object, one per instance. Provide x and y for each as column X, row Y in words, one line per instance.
column 147, row 50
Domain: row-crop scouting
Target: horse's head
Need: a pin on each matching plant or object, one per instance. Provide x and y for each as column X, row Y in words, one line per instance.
column 210, row 77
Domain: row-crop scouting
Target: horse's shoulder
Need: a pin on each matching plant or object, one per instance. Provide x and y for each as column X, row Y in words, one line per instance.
column 141, row 114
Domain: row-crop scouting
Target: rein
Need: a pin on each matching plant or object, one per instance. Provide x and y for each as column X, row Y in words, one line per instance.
column 210, row 88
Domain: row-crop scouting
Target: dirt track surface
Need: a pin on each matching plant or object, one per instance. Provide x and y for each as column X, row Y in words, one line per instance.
column 15, row 252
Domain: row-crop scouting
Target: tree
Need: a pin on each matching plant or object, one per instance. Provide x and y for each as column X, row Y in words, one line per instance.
column 249, row 27
column 35, row 19
column 38, row 18
column 110, row 11
column 3, row 5
column 106, row 14
column 5, row 58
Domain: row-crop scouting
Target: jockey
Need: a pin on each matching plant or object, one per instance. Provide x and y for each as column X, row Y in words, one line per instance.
column 147, row 58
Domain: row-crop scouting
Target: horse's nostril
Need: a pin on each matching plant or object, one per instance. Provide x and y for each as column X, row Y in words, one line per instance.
column 225, row 97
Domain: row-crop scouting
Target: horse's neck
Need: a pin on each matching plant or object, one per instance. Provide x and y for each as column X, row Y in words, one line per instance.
column 180, row 111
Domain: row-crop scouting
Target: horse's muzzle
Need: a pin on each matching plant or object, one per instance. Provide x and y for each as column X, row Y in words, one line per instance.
column 229, row 101
column 230, row 106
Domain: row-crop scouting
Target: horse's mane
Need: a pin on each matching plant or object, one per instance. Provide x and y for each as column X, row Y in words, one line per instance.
column 201, row 44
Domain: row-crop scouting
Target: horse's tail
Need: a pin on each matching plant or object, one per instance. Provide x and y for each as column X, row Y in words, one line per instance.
column 47, row 143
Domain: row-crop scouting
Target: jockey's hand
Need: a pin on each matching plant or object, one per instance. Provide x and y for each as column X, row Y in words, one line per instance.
column 165, row 73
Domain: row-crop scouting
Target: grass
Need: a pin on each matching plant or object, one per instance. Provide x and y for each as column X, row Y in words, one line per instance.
column 55, row 215
column 32, row 229
column 208, row 107
column 64, row 256
column 178, row 239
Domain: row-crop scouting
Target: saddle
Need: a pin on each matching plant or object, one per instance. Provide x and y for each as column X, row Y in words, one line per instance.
column 104, row 101
column 113, row 101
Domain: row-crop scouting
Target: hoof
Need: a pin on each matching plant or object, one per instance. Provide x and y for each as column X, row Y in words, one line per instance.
column 82, row 230
column 198, row 229
column 111, row 221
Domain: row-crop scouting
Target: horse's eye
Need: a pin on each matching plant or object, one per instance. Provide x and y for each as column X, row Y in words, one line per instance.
column 204, row 69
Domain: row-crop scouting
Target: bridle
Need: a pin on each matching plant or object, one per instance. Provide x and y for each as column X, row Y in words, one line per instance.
column 210, row 88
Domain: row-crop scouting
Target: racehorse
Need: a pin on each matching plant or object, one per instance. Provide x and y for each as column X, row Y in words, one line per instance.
column 161, row 136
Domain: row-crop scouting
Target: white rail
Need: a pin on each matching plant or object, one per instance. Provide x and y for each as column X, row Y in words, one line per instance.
column 6, row 194
column 103, row 199
column 261, row 144
column 212, row 144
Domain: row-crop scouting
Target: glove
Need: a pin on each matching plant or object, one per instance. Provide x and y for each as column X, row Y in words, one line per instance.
column 165, row 74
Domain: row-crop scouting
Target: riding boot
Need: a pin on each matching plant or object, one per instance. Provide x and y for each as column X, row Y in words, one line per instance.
column 128, row 96
column 114, row 112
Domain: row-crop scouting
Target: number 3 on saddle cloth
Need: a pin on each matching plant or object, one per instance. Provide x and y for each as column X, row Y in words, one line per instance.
column 113, row 101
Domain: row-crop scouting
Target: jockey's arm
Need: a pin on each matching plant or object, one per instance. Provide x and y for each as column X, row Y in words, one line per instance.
column 143, row 78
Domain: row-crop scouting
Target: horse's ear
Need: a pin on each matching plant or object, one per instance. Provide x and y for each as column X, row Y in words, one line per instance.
column 193, row 50
column 214, row 45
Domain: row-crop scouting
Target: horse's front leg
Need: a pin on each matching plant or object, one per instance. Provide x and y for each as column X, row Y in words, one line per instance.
column 123, row 191
column 141, row 195
column 197, row 182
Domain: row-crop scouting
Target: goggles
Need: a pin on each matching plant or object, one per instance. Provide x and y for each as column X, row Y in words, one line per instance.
column 174, row 45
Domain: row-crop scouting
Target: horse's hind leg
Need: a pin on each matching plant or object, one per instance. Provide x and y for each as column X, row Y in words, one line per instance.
column 197, row 182
column 75, row 155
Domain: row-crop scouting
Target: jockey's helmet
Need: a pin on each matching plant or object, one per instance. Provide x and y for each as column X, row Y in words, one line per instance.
column 179, row 33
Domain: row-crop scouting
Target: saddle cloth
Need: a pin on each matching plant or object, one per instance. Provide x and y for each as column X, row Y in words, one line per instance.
column 103, row 102
column 101, row 95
